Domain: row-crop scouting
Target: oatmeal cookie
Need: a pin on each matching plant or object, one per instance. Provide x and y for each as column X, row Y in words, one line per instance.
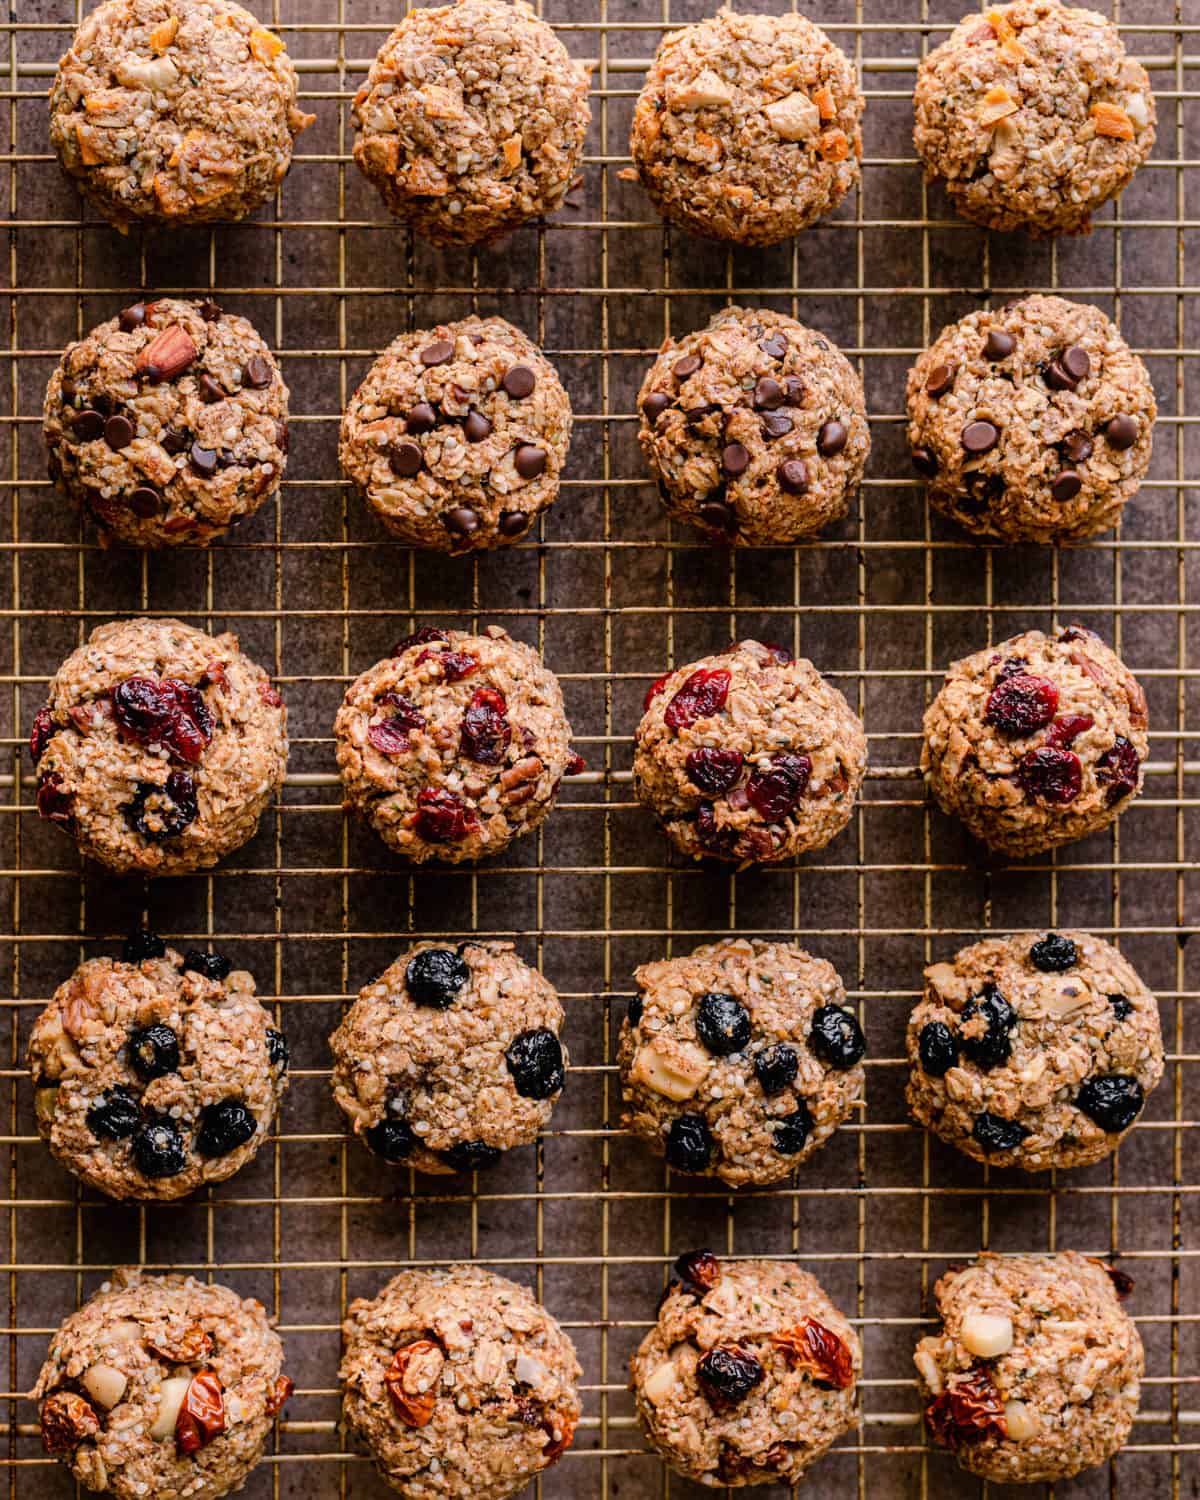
column 460, row 1385
column 1032, row 422
column 1034, row 1051
column 472, row 121
column 747, row 128
column 755, row 428
column 740, row 1061
column 749, row 1374
column 455, row 744
column 1038, row 741
column 458, row 435
column 162, row 1386
column 168, row 424
column 159, row 747
column 1035, row 1375
column 451, row 1057
column 175, row 112
column 1034, row 116
column 748, row 756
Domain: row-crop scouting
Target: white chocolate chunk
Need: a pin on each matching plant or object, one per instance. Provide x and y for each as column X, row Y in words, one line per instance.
column 170, row 1399
column 1021, row 1420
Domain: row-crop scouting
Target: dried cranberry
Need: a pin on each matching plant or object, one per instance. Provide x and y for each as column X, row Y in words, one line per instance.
column 1119, row 768
column 714, row 771
column 715, row 839
column 1049, row 773
column 44, row 728
column 1022, row 704
column 779, row 653
column 1123, row 1282
column 698, row 1270
column 574, row 766
column 1064, row 732
column 164, row 713
column 420, row 637
column 161, row 812
column 442, row 817
column 390, row 735
column 773, row 794
column 53, row 803
column 654, row 689
column 486, row 733
column 701, row 696
column 455, row 665
column 728, row 1373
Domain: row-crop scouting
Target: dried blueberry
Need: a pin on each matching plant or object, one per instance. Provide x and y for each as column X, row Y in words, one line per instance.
column 435, row 976
column 471, row 1156
column 211, row 965
column 937, row 1049
column 158, row 1150
column 793, row 1131
column 162, row 812
column 636, row 1008
column 722, row 1023
column 1052, row 954
column 277, row 1049
column 775, row 1067
column 836, row 1037
column 996, row 1134
column 224, row 1127
column 115, row 1115
column 1113, row 1103
column 994, row 1045
column 392, row 1139
column 1121, row 1006
column 140, row 945
column 153, row 1051
column 689, row 1144
column 728, row 1373
column 535, row 1061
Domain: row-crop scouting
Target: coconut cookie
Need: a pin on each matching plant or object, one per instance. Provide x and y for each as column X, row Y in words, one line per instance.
column 472, row 121
column 749, row 1374
column 455, row 744
column 168, row 424
column 748, row 756
column 740, row 1061
column 458, row 435
column 459, row 1384
column 451, row 1057
column 1034, row 1051
column 755, row 428
column 1034, row 116
column 1038, row 741
column 175, row 112
column 1031, row 423
column 158, row 1074
column 1035, row 1374
column 162, row 1386
column 747, row 127
column 159, row 747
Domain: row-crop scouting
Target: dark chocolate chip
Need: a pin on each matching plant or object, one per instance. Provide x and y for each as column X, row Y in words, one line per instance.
column 1077, row 446
column 999, row 344
column 1076, row 363
column 174, row 440
column 462, row 520
column 87, row 426
column 776, row 424
column 654, row 405
column 132, row 317
column 718, row 515
column 686, row 366
column 793, row 476
column 440, row 352
column 941, row 379
column 768, row 394
column 203, row 460
column 476, row 427
column 422, row 418
column 514, row 522
column 210, row 391
column 405, row 460
column 118, row 433
column 210, row 311
column 281, row 436
column 519, row 382
column 144, row 502
column 1066, row 485
column 832, row 439
column 529, row 461
column 1122, row 431
column 774, row 345
column 924, row 462
column 735, row 459
column 795, row 390
column 980, row 437
column 1056, row 377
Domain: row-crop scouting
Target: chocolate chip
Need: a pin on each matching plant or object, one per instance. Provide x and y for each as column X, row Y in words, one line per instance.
column 210, row 391
column 87, row 426
column 132, row 317
column 941, row 378
column 282, row 440
column 257, row 374
column 440, row 352
column 422, row 418
column 980, row 437
column 144, row 502
column 1077, row 446
column 718, row 515
column 832, row 439
column 1122, row 431
column 529, row 461
column 686, row 366
column 924, row 462
column 696, row 414
column 774, row 345
column 735, row 459
column 519, row 382
column 203, row 460
column 405, row 460
column 476, row 427
column 513, row 522
column 654, row 405
column 999, row 344
column 174, row 440
column 793, row 476
column 1076, row 363
column 776, row 423
column 462, row 520
column 795, row 390
column 210, row 311
column 768, row 394
column 1066, row 485
column 118, row 433
column 1056, row 377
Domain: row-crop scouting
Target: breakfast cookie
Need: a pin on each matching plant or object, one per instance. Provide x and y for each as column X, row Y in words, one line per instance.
column 163, row 1387
column 158, row 1074
column 1034, row 1051
column 747, row 127
column 451, row 1057
column 1035, row 1375
column 472, row 120
column 455, row 744
column 459, row 1384
column 1034, row 116
column 755, row 428
column 1038, row 741
column 168, row 424
column 740, row 1061
column 1032, row 422
column 458, row 435
column 159, row 747
column 175, row 112
column 748, row 756
column 749, row 1374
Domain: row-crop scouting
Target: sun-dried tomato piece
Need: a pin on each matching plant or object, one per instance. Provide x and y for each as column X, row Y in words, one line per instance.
column 813, row 1347
column 654, row 689
column 702, row 695
column 967, row 1411
column 202, row 1414
column 44, row 729
column 1063, row 733
column 390, row 735
column 66, row 1420
column 420, row 637
column 698, row 1270
column 1022, row 704
column 774, row 794
column 180, row 1346
column 281, row 1393
column 269, row 696
column 556, row 1447
column 442, row 817
column 486, row 732
column 414, row 1366
column 455, row 665
column 1119, row 768
column 53, row 804
column 165, row 714
column 714, row 771
column 1049, row 773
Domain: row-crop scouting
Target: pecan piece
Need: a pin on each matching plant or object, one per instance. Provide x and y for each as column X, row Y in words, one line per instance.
column 167, row 355
column 813, row 1347
column 279, row 1393
column 67, row 1420
column 518, row 783
column 410, row 1378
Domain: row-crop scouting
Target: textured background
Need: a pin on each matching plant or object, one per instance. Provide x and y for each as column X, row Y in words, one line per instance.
column 316, row 907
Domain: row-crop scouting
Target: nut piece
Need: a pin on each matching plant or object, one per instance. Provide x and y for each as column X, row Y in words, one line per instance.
column 105, row 1384
column 705, row 91
column 660, row 1383
column 1022, row 1421
column 794, row 118
column 987, row 1335
column 67, row 1420
column 167, row 355
column 409, row 1379
column 156, row 73
column 675, row 1075
column 170, row 1401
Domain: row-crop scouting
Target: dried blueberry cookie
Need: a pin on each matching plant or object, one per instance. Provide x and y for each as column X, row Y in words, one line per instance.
column 749, row 1374
column 162, row 1388
column 755, row 428
column 175, row 112
column 1034, row 1051
column 472, row 120
column 740, row 1061
column 459, row 1384
column 748, row 756
column 168, row 424
column 159, row 747
column 1034, row 116
column 1036, row 1373
column 455, row 744
column 1031, row 423
column 458, row 435
column 157, row 1074
column 451, row 1057
column 747, row 127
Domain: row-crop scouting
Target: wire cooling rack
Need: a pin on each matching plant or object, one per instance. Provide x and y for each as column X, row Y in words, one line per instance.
column 612, row 595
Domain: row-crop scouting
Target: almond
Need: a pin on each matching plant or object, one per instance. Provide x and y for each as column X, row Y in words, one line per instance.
column 167, row 355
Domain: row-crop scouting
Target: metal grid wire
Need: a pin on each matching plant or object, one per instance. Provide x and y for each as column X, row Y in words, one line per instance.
column 611, row 594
